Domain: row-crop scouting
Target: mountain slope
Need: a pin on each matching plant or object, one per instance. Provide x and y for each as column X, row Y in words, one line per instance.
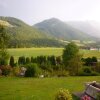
column 61, row 30
column 90, row 27
column 23, row 35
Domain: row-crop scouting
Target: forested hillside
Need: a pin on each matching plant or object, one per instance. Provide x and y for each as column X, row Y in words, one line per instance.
column 23, row 35
column 49, row 33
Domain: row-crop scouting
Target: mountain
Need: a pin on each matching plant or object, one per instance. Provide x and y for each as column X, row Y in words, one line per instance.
column 61, row 30
column 89, row 27
column 24, row 35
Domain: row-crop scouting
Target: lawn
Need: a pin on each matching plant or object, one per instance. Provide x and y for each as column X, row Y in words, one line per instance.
column 28, row 52
column 13, row 88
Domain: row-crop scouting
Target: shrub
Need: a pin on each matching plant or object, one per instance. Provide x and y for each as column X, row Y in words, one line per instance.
column 41, row 59
column 63, row 94
column 28, row 60
column 89, row 61
column 6, row 70
column 97, row 67
column 94, row 73
column 86, row 71
column 16, row 71
column 21, row 60
column 58, row 60
column 94, row 59
column 33, row 60
column 47, row 66
column 52, row 60
column 32, row 70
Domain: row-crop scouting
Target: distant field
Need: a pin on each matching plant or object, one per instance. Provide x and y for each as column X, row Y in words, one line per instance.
column 40, row 89
column 28, row 52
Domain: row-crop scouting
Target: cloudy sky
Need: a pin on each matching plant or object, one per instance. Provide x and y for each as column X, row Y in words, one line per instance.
column 33, row 11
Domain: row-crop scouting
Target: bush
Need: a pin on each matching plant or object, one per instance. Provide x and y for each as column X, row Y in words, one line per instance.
column 21, row 60
column 41, row 59
column 94, row 73
column 63, row 94
column 33, row 60
column 94, row 59
column 16, row 71
column 6, row 70
column 28, row 60
column 89, row 61
column 86, row 71
column 52, row 60
column 97, row 67
column 32, row 70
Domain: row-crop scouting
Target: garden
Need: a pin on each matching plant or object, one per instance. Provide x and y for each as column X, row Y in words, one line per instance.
column 45, row 77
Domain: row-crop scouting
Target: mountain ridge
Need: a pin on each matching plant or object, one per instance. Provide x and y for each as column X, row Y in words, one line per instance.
column 62, row 30
column 50, row 32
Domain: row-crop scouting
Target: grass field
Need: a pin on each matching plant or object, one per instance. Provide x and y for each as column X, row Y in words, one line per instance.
column 28, row 52
column 12, row 88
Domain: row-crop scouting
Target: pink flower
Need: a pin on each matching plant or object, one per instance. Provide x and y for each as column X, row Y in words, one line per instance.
column 85, row 98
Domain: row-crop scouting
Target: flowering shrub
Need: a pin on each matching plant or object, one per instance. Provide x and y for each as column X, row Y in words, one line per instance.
column 63, row 94
column 85, row 98
column 6, row 70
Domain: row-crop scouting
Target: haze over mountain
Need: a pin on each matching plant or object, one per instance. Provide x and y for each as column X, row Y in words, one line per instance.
column 61, row 30
column 89, row 27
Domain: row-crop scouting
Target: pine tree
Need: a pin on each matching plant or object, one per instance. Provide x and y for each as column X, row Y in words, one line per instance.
column 11, row 63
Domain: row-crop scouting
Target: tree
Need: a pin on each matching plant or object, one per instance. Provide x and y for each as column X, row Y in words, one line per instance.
column 75, row 64
column 33, row 60
column 94, row 59
column 70, row 51
column 72, row 58
column 88, row 61
column 28, row 60
column 4, row 38
column 41, row 59
column 52, row 60
column 11, row 62
column 21, row 60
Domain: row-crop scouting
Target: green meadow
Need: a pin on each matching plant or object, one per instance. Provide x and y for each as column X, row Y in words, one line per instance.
column 28, row 52
column 14, row 88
